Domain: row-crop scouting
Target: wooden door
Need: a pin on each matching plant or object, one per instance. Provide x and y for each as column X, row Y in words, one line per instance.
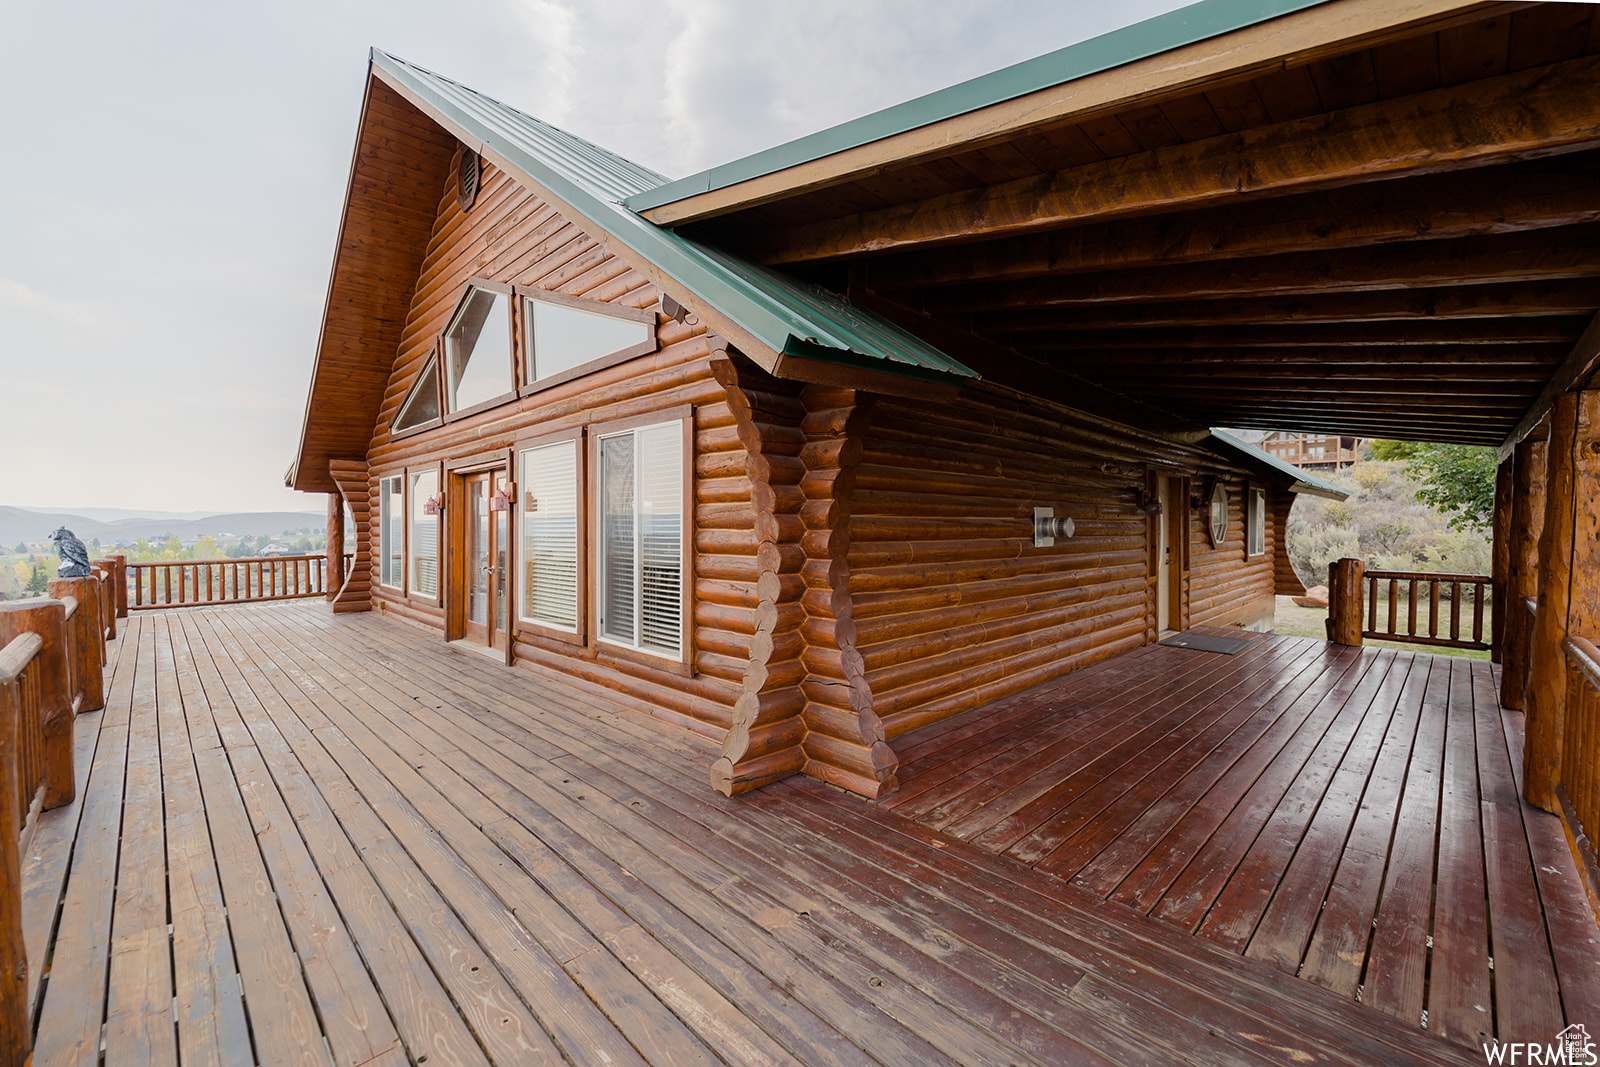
column 482, row 592
column 1171, row 531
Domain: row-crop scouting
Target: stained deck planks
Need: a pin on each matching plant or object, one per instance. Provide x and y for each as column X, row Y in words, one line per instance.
column 375, row 848
column 1347, row 816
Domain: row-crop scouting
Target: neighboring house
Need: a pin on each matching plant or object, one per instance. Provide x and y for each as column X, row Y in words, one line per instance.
column 1313, row 451
column 276, row 548
column 761, row 450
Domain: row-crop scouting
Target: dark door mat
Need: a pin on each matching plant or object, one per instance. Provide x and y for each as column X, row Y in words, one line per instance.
column 1207, row 642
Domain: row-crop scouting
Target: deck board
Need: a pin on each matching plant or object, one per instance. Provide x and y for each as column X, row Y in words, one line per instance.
column 1348, row 816
column 376, row 848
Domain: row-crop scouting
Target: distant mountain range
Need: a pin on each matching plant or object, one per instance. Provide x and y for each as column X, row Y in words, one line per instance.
column 26, row 524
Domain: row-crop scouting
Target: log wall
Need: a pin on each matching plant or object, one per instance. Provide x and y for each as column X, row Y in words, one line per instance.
column 513, row 237
column 860, row 565
column 954, row 606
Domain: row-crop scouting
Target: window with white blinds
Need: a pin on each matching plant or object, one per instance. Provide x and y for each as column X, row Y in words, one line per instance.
column 549, row 565
column 423, row 574
column 391, row 532
column 639, row 577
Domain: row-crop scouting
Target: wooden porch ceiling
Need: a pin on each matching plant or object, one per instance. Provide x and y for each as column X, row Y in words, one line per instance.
column 303, row 837
column 1406, row 233
column 1350, row 816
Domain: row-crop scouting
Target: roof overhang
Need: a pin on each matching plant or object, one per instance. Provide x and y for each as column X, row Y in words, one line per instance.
column 1298, row 480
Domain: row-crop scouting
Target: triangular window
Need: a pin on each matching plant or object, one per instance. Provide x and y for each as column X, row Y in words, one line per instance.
column 422, row 406
column 477, row 350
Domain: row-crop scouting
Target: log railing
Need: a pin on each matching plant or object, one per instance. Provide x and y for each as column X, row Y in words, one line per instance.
column 193, row 583
column 51, row 654
column 1578, row 786
column 1416, row 607
column 1401, row 596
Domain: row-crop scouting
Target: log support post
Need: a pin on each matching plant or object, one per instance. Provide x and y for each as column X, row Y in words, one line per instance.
column 1500, row 568
column 1344, row 601
column 1569, row 586
column 87, row 638
column 333, row 577
column 1522, row 577
column 48, row 619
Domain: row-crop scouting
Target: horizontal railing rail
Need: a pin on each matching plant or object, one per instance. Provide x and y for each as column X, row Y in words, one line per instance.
column 1579, row 784
column 1394, row 600
column 198, row 583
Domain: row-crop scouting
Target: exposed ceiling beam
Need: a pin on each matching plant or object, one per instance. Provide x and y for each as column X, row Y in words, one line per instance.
column 1471, row 334
column 1574, row 253
column 1540, row 111
column 1533, row 374
column 1557, row 297
column 1497, row 200
column 1573, row 373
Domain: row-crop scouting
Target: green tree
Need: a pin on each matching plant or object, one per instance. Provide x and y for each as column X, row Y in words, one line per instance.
column 1458, row 480
column 37, row 582
column 206, row 548
column 1389, row 451
column 22, row 548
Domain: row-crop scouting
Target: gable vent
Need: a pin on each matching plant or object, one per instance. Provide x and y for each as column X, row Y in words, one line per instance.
column 467, row 171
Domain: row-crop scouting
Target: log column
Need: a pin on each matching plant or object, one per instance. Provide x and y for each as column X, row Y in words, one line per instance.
column 763, row 743
column 1522, row 576
column 15, row 1034
column 48, row 619
column 333, row 577
column 119, row 563
column 1568, row 594
column 1500, row 569
column 89, row 643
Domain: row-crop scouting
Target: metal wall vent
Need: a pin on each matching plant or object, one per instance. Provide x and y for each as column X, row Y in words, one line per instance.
column 467, row 172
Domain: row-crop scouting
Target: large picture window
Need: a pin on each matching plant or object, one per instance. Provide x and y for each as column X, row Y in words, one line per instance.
column 561, row 337
column 391, row 532
column 422, row 576
column 639, row 573
column 549, row 516
column 477, row 349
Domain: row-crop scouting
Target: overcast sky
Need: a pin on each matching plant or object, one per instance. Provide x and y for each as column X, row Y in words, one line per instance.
column 173, row 175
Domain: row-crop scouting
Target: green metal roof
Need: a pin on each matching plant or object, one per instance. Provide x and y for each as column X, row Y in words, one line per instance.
column 787, row 316
column 1303, row 480
column 1163, row 33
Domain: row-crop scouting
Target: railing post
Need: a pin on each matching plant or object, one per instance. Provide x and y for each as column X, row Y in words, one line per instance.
column 119, row 562
column 91, row 639
column 48, row 619
column 1344, row 601
column 107, row 570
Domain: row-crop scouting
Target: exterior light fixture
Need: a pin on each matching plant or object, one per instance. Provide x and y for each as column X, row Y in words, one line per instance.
column 433, row 505
column 1047, row 527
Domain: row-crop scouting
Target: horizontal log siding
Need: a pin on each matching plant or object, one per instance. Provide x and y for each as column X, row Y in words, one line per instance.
column 1227, row 588
column 953, row 605
column 513, row 237
column 1285, row 582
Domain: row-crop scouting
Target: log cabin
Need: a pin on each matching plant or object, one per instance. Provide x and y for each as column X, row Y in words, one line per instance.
column 544, row 413
column 762, row 449
column 883, row 459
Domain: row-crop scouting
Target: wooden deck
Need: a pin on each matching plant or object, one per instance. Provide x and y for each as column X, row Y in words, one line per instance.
column 304, row 838
column 1350, row 816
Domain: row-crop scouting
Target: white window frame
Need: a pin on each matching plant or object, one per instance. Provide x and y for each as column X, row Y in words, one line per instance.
column 412, row 474
column 526, row 623
column 391, row 494
column 1256, row 521
column 682, row 418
